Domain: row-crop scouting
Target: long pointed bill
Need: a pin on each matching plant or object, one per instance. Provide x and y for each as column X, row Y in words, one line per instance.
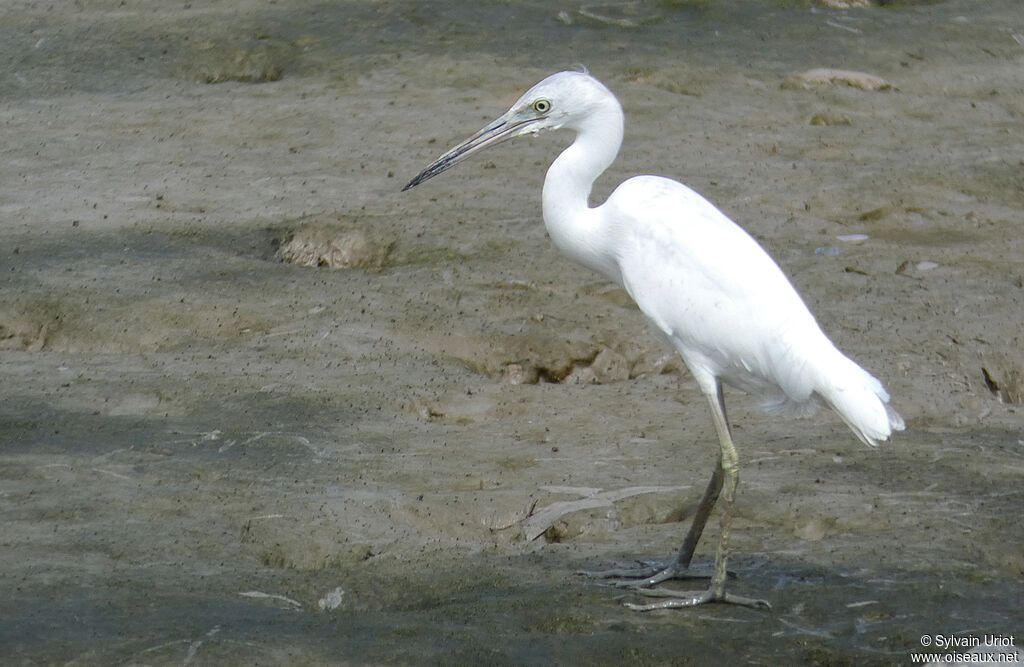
column 506, row 127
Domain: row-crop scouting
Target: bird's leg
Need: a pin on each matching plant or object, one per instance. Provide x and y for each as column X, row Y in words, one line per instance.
column 654, row 573
column 678, row 568
column 685, row 555
column 728, row 470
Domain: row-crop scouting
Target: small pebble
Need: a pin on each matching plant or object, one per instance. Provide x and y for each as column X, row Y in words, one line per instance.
column 853, row 238
column 332, row 600
column 830, row 118
column 926, row 266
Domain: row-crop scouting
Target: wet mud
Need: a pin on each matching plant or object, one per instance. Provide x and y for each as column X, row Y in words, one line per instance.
column 261, row 407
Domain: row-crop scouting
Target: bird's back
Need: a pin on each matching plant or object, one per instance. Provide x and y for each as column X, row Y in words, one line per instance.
column 728, row 309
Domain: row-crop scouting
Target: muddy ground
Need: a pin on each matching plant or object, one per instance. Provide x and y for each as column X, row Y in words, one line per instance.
column 209, row 455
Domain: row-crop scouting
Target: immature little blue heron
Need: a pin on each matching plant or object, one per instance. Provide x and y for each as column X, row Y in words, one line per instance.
column 704, row 283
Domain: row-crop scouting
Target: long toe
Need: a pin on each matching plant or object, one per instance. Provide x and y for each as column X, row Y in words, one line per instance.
column 753, row 603
column 649, row 575
column 680, row 599
column 643, row 570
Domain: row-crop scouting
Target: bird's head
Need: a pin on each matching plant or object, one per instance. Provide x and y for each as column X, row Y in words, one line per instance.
column 561, row 100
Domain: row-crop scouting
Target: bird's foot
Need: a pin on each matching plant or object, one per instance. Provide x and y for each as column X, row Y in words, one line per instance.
column 680, row 599
column 643, row 570
column 649, row 573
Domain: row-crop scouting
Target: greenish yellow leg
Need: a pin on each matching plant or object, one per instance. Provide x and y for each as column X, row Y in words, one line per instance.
column 729, row 468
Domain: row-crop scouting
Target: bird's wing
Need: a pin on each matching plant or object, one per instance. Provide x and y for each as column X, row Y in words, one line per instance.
column 703, row 281
column 730, row 311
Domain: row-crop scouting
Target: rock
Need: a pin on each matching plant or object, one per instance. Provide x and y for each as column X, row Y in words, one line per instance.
column 830, row 118
column 836, row 77
column 609, row 366
column 1004, row 377
column 255, row 62
column 24, row 331
column 812, row 530
column 337, row 243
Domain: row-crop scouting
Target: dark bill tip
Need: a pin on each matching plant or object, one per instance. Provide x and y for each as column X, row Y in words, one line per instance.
column 422, row 176
column 492, row 134
column 433, row 170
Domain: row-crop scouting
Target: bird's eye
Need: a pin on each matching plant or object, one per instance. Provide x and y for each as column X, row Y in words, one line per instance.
column 542, row 106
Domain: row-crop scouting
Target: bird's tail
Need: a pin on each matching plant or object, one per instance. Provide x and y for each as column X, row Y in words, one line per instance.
column 860, row 399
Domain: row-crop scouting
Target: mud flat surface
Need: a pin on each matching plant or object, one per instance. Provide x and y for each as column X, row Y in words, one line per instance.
column 209, row 455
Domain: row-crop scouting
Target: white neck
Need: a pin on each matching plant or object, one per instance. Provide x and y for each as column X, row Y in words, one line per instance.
column 575, row 228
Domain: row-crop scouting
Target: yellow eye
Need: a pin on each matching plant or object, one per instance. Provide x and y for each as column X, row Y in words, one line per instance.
column 542, row 105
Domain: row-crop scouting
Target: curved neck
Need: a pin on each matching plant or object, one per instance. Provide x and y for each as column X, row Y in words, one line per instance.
column 575, row 228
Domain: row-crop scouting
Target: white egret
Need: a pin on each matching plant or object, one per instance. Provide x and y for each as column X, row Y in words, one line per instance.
column 702, row 281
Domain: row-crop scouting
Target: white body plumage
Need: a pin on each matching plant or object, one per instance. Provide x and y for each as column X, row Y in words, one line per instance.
column 706, row 285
